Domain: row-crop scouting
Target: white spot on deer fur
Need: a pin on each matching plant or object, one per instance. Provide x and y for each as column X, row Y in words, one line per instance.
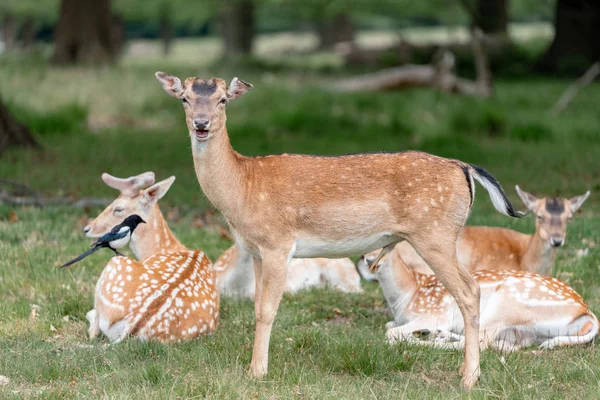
column 439, row 188
column 426, row 209
column 543, row 288
column 435, row 223
column 433, row 202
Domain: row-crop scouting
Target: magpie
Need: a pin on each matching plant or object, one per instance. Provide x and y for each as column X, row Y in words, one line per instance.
column 117, row 238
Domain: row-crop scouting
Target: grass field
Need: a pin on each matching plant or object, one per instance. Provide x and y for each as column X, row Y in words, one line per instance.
column 120, row 121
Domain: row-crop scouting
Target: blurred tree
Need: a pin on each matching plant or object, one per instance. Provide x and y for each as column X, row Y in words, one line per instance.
column 576, row 43
column 9, row 31
column 12, row 132
column 337, row 29
column 237, row 27
column 84, row 33
column 28, row 15
column 28, row 32
column 491, row 16
column 165, row 27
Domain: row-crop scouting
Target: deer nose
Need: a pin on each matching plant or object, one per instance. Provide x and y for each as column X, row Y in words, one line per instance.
column 201, row 123
column 556, row 241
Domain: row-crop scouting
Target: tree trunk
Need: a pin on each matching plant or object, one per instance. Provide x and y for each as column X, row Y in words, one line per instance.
column 28, row 33
column 12, row 132
column 9, row 31
column 166, row 33
column 84, row 33
column 236, row 23
column 576, row 43
column 492, row 16
column 339, row 29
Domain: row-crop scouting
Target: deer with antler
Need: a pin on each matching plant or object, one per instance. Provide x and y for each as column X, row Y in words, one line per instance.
column 284, row 206
column 494, row 248
column 168, row 295
column 519, row 309
column 235, row 274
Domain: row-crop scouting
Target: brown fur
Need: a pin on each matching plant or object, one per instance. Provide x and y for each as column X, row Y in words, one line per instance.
column 494, row 249
column 305, row 206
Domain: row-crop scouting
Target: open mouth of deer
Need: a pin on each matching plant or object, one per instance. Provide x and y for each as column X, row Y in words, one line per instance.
column 201, row 134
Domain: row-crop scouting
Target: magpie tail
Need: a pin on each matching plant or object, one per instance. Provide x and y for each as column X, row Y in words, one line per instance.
column 82, row 256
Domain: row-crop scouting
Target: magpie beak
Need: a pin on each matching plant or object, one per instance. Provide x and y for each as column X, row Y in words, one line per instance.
column 117, row 238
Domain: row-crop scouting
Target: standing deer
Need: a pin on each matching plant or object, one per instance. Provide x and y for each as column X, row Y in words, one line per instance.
column 170, row 294
column 518, row 309
column 235, row 274
column 284, row 206
column 493, row 248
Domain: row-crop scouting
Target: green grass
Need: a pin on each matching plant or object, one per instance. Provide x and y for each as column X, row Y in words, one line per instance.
column 119, row 120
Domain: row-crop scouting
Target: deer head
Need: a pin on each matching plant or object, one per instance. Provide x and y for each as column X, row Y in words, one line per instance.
column 203, row 101
column 553, row 214
column 132, row 200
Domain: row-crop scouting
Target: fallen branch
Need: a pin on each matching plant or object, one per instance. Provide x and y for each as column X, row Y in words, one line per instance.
column 50, row 201
column 18, row 194
column 440, row 75
column 577, row 86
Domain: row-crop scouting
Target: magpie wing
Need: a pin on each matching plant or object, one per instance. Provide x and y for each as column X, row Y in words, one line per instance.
column 118, row 232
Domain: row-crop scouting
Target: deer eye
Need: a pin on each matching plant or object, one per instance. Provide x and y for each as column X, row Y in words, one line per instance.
column 223, row 100
column 118, row 210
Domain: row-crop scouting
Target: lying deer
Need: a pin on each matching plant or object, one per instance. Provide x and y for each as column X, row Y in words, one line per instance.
column 518, row 309
column 235, row 274
column 170, row 294
column 284, row 206
column 493, row 248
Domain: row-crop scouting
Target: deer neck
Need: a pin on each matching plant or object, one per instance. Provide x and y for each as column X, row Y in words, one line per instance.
column 539, row 255
column 154, row 237
column 220, row 172
column 399, row 287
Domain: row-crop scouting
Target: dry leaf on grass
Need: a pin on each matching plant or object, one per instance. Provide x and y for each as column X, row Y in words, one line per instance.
column 13, row 217
column 4, row 380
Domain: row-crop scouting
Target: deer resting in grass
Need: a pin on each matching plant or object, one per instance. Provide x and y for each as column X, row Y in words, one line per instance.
column 284, row 206
column 168, row 295
column 518, row 309
column 494, row 248
column 235, row 274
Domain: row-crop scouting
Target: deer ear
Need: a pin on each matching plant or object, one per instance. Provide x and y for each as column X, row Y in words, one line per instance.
column 155, row 192
column 170, row 83
column 237, row 88
column 578, row 201
column 529, row 200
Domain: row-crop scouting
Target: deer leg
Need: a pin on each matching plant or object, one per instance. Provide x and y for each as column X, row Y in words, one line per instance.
column 441, row 258
column 272, row 277
column 92, row 317
column 258, row 287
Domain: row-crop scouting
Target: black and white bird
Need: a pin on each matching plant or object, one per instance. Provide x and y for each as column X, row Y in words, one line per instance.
column 117, row 238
